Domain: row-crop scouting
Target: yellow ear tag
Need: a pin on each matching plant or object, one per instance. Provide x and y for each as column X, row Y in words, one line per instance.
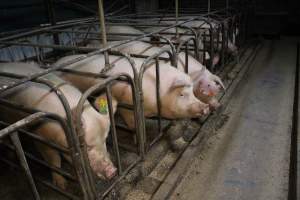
column 102, row 106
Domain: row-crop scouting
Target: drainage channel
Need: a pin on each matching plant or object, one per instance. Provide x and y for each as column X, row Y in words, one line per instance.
column 294, row 172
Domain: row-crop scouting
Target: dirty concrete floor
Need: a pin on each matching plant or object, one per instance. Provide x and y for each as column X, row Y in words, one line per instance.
column 249, row 157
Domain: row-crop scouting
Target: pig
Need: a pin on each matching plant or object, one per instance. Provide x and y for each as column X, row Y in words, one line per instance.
column 176, row 92
column 114, row 29
column 201, row 26
column 202, row 56
column 38, row 96
column 206, row 85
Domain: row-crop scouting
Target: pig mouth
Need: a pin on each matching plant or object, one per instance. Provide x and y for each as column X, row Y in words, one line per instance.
column 203, row 112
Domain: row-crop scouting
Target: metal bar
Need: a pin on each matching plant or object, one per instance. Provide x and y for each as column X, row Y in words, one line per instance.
column 103, row 31
column 176, row 16
column 78, row 158
column 186, row 59
column 20, row 154
column 43, row 163
column 119, row 179
column 158, row 101
column 14, row 127
column 113, row 129
column 50, row 185
column 143, row 68
column 41, row 139
column 51, row 17
column 96, row 89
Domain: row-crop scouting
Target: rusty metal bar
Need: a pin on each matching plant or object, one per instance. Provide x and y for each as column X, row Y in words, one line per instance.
column 176, row 16
column 113, row 128
column 103, row 32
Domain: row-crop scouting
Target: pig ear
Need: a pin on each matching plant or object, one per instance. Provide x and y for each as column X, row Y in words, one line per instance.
column 179, row 82
column 219, row 81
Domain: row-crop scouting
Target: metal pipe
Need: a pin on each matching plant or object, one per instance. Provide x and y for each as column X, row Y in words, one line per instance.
column 43, row 163
column 103, row 32
column 22, row 159
column 113, row 129
column 51, row 17
column 176, row 16
column 50, row 185
column 41, row 140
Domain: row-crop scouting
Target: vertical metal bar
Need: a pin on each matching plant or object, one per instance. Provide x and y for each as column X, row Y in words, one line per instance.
column 223, row 45
column 103, row 31
column 158, row 94
column 211, row 39
column 113, row 129
column 51, row 17
column 186, row 58
column 204, row 49
column 208, row 6
column 176, row 16
column 21, row 156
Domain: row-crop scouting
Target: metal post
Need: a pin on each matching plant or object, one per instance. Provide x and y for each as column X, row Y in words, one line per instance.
column 176, row 16
column 103, row 32
column 208, row 6
column 21, row 156
column 51, row 17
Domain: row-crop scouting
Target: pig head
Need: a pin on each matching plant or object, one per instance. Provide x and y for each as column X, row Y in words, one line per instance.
column 96, row 126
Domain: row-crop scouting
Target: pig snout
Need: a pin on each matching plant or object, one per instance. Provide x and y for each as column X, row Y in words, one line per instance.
column 110, row 171
column 106, row 171
column 200, row 109
column 214, row 104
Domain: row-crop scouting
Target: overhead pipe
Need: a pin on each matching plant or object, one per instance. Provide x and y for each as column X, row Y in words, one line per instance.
column 103, row 32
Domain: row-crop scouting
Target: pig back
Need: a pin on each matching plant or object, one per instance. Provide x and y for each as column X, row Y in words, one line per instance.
column 35, row 95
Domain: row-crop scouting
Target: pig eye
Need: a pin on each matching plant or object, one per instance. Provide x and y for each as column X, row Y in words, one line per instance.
column 181, row 95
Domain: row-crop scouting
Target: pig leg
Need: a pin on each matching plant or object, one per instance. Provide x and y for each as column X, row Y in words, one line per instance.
column 52, row 132
column 54, row 159
column 128, row 117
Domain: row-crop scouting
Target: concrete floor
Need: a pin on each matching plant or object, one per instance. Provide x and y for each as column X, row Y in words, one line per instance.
column 249, row 157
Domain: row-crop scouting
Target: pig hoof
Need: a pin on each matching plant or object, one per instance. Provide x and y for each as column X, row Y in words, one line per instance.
column 110, row 172
column 59, row 181
column 179, row 144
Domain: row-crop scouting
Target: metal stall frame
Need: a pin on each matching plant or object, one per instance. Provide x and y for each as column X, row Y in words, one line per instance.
column 77, row 128
column 76, row 155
